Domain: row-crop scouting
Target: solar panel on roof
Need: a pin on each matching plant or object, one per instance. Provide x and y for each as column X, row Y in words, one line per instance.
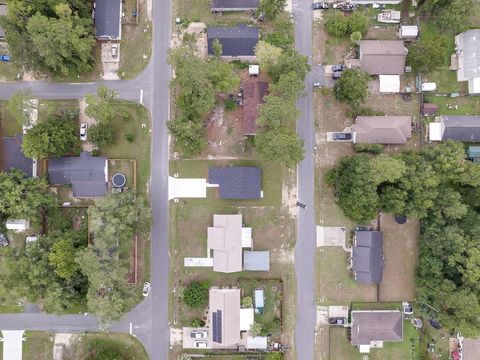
column 217, row 326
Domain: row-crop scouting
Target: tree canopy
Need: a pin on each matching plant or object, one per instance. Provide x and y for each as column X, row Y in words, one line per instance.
column 23, row 197
column 441, row 189
column 20, row 105
column 352, row 87
column 53, row 137
column 100, row 105
column 282, row 145
column 271, row 8
column 194, row 87
column 54, row 36
column 114, row 221
column 426, row 54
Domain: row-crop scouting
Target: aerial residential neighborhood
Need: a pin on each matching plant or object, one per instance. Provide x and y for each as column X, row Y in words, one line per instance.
column 240, row 179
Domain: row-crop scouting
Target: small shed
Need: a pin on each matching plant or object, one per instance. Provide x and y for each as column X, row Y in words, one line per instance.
column 259, row 300
column 256, row 260
column 253, row 70
column 18, row 225
column 435, row 131
column 474, row 153
column 429, row 109
column 257, row 343
column 408, row 32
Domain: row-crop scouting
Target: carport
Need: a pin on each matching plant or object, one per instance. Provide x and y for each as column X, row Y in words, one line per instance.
column 12, row 344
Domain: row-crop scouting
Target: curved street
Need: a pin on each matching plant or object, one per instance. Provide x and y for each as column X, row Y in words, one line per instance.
column 149, row 320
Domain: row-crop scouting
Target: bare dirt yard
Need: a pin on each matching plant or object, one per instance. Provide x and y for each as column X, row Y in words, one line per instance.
column 400, row 249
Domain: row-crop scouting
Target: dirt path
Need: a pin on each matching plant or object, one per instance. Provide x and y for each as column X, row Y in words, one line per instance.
column 86, row 145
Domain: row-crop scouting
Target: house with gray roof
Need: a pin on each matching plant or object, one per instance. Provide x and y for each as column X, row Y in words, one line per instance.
column 234, row 5
column 13, row 158
column 371, row 328
column 467, row 47
column 236, row 182
column 107, row 15
column 382, row 129
column 464, row 128
column 367, row 257
column 87, row 174
column 383, row 57
column 238, row 41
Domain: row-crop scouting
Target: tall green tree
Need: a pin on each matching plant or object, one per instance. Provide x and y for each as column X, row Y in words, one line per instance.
column 288, row 87
column 267, row 54
column 271, row 8
column 336, row 24
column 24, row 197
column 455, row 16
column 20, row 105
column 100, row 134
column 282, row 145
column 352, row 87
column 54, row 137
column 100, row 105
column 277, row 113
column 358, row 21
column 426, row 55
column 289, row 61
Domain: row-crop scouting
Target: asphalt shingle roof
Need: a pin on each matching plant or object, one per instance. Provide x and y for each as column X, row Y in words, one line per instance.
column 464, row 128
column 13, row 156
column 232, row 5
column 376, row 325
column 383, row 57
column 107, row 19
column 237, row 182
column 367, row 257
column 85, row 173
column 236, row 41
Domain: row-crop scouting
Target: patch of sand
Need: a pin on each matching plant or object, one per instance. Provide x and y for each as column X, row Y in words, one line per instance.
column 83, row 118
column 61, row 343
column 176, row 336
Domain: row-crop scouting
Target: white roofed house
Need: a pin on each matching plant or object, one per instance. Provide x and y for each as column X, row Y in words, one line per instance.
column 467, row 47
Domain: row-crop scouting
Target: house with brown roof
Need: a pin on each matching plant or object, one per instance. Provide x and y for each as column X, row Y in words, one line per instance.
column 385, row 58
column 253, row 94
column 371, row 328
column 382, row 129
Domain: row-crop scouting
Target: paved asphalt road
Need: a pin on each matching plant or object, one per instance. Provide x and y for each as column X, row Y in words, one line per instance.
column 306, row 242
column 149, row 320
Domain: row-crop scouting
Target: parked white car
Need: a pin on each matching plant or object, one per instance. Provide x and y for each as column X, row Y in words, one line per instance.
column 146, row 288
column 198, row 334
column 200, row 344
column 83, row 131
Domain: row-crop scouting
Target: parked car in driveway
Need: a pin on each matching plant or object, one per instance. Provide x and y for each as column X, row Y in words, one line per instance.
column 83, row 132
column 146, row 288
column 338, row 67
column 348, row 7
column 316, row 85
column 321, row 5
column 114, row 50
column 198, row 334
column 336, row 75
column 5, row 58
column 200, row 344
column 342, row 136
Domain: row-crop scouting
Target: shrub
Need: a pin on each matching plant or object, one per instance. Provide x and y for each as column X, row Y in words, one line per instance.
column 196, row 323
column 247, row 302
column 368, row 148
column 336, row 24
column 195, row 294
column 126, row 116
column 239, row 64
column 229, row 105
column 256, row 329
column 130, row 137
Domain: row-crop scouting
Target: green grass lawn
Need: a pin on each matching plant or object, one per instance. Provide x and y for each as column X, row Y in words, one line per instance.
column 55, row 107
column 85, row 348
column 136, row 42
column 139, row 149
column 271, row 180
column 8, row 71
column 271, row 318
column 467, row 105
column 9, row 126
column 39, row 345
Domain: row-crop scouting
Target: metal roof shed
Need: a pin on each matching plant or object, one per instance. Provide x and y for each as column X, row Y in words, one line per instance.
column 474, row 152
column 256, row 260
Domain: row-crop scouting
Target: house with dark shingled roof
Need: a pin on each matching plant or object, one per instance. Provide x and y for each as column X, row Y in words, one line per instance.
column 107, row 15
column 238, row 41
